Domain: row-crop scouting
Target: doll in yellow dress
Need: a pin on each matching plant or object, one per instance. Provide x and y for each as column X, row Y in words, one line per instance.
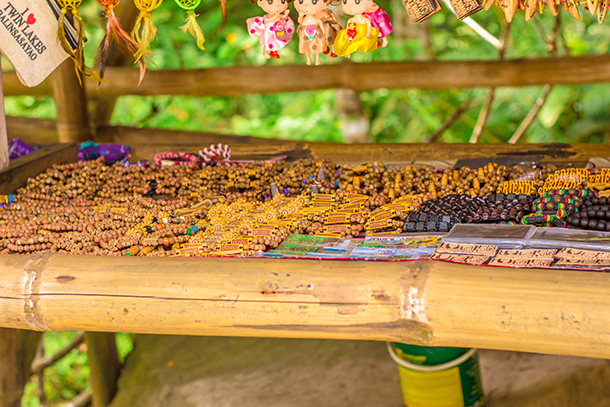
column 360, row 35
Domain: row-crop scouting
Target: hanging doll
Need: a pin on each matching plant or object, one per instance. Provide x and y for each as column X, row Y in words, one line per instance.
column 275, row 29
column 368, row 25
column 317, row 30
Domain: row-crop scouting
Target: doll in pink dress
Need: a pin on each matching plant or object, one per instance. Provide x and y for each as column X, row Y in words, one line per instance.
column 379, row 20
column 275, row 29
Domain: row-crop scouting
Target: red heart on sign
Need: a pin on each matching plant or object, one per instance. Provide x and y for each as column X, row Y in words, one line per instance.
column 31, row 19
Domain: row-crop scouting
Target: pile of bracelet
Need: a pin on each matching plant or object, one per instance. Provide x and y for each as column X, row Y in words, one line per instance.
column 518, row 187
column 429, row 223
column 594, row 215
column 220, row 153
column 554, row 206
column 182, row 158
column 504, row 208
column 439, row 215
column 6, row 200
column 570, row 178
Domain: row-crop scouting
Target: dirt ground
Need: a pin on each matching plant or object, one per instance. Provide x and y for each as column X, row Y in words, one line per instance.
column 167, row 371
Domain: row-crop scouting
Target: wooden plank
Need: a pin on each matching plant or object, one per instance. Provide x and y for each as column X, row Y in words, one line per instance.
column 30, row 165
column 33, row 131
column 151, row 136
column 435, row 75
column 238, row 151
column 423, row 302
column 551, row 153
column 13, row 86
column 71, row 105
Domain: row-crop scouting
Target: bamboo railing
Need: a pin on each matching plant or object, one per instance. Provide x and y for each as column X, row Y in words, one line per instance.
column 245, row 80
column 422, row 302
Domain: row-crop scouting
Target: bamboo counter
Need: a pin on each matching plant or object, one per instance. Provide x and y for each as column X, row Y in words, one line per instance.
column 420, row 302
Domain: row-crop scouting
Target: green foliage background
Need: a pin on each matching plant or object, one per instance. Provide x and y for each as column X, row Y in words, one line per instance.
column 571, row 114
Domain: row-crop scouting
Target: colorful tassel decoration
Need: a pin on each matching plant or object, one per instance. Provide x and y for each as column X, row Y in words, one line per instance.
column 120, row 37
column 74, row 51
column 191, row 26
column 223, row 13
column 144, row 31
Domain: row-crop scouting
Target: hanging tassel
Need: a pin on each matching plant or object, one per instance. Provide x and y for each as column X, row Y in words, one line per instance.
column 223, row 13
column 144, row 31
column 77, row 54
column 120, row 37
column 193, row 28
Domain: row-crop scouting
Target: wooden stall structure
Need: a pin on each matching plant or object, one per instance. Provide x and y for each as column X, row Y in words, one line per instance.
column 428, row 303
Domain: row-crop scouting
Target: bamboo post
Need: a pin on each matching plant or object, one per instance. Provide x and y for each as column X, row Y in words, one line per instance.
column 71, row 105
column 104, row 366
column 17, row 350
column 4, row 159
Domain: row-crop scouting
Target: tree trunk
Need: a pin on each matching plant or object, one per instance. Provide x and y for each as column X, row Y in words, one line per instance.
column 17, row 351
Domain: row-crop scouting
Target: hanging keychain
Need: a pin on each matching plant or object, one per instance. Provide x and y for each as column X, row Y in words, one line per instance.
column 120, row 37
column 191, row 26
column 76, row 51
column 144, row 31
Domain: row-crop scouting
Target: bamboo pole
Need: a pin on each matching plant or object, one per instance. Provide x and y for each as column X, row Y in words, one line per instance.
column 104, row 365
column 244, row 80
column 422, row 302
column 71, row 105
column 4, row 154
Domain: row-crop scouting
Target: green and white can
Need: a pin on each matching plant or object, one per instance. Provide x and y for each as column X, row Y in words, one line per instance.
column 438, row 377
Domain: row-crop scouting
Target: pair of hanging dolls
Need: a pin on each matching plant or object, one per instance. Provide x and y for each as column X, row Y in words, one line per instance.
column 318, row 31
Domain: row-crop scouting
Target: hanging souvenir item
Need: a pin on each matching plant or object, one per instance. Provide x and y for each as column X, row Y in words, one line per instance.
column 192, row 26
column 380, row 21
column 144, row 31
column 420, row 10
column 120, row 37
column 465, row 8
column 317, row 30
column 368, row 25
column 76, row 52
column 275, row 29
column 223, row 14
column 531, row 7
column 602, row 10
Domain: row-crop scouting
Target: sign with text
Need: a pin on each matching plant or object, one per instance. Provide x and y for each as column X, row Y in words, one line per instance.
column 28, row 38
